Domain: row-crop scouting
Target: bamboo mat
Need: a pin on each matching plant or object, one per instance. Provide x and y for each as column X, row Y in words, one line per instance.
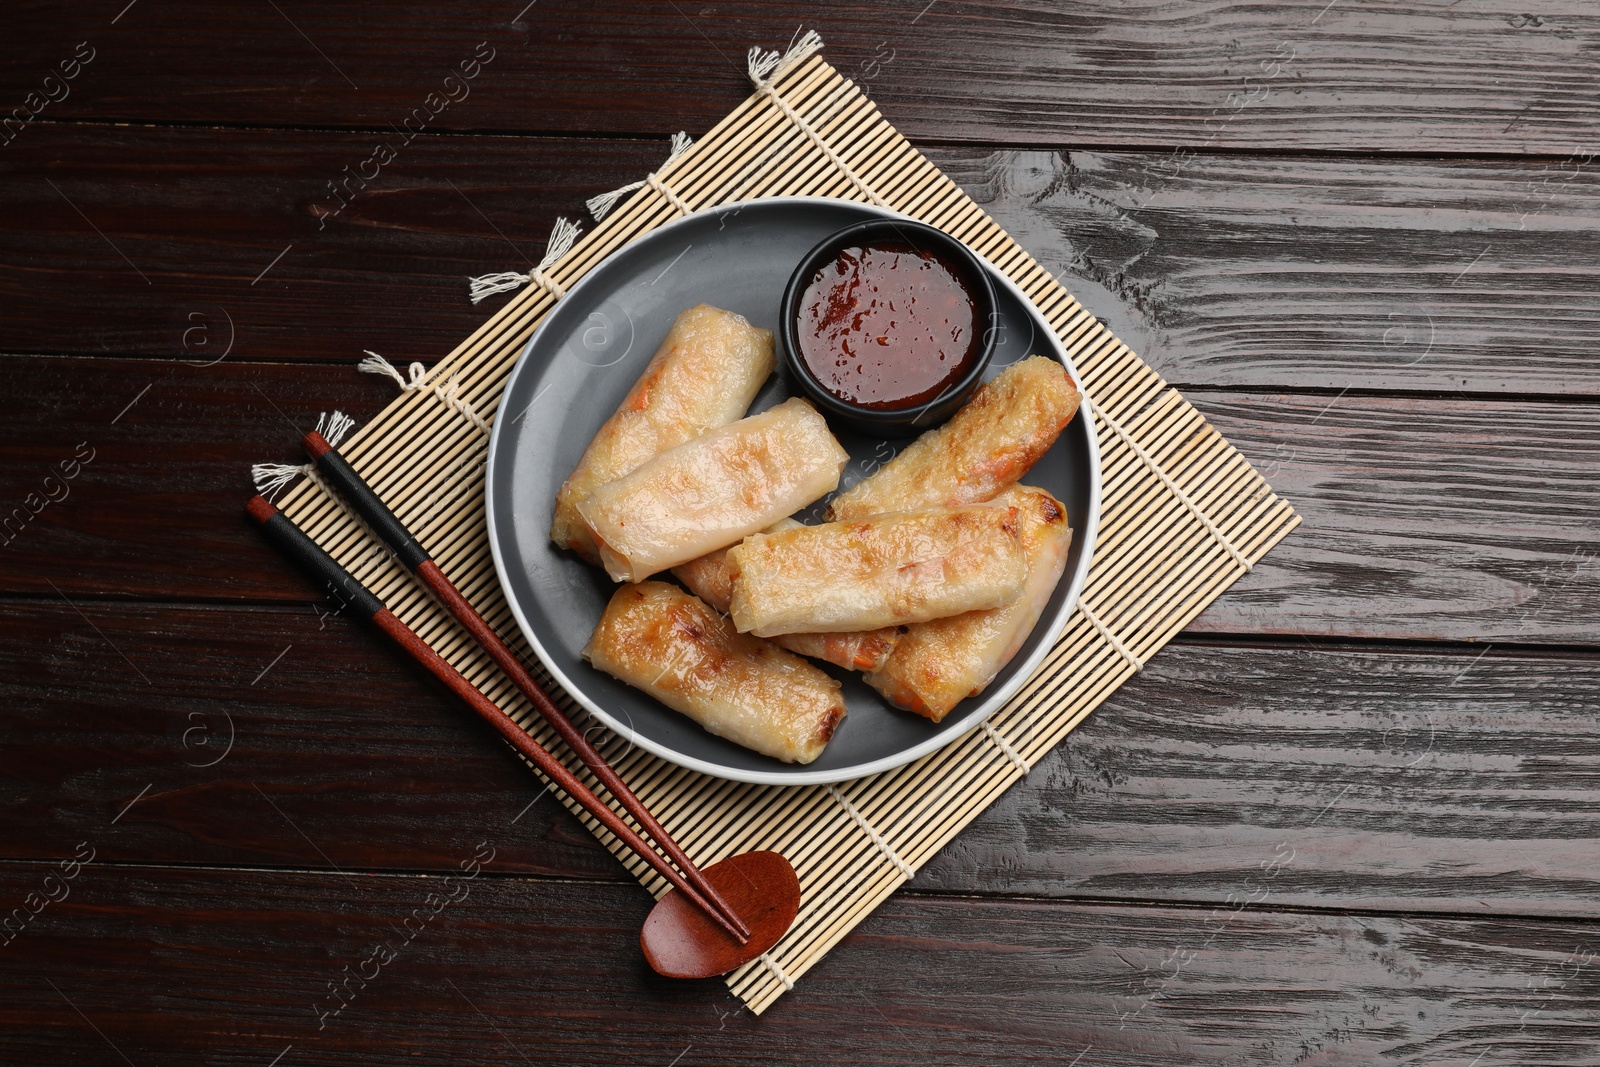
column 1183, row 517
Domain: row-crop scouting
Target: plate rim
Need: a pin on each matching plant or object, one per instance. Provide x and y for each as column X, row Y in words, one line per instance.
column 993, row 701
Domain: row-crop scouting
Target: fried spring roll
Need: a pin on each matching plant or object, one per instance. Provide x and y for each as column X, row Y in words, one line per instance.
column 711, row 579
column 885, row 571
column 856, row 650
column 938, row 664
column 708, row 493
column 660, row 639
column 704, row 375
column 983, row 450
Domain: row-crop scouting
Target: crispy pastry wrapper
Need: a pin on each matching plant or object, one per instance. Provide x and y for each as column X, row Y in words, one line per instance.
column 856, row 650
column 669, row 644
column 712, row 491
column 985, row 448
column 938, row 664
column 711, row 579
column 704, row 375
column 885, row 571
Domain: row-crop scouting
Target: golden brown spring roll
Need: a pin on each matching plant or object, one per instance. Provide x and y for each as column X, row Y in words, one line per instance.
column 708, row 493
column 938, row 664
column 855, row 650
column 704, row 375
column 711, row 579
column 658, row 638
column 984, row 449
column 885, row 571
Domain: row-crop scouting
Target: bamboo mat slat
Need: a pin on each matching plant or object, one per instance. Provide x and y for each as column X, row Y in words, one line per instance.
column 1183, row 517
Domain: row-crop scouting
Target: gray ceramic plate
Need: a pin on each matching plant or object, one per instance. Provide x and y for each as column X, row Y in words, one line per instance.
column 575, row 371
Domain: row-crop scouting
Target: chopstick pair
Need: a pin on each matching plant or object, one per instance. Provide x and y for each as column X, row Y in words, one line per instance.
column 298, row 546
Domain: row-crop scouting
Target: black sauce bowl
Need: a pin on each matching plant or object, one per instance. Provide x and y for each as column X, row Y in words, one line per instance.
column 879, row 422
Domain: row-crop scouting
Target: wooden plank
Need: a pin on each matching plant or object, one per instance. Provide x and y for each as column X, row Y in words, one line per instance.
column 157, row 511
column 1307, row 74
column 1426, row 519
column 1289, row 776
column 155, row 232
column 173, row 965
column 247, row 737
column 1292, row 272
column 1219, row 270
column 1292, row 776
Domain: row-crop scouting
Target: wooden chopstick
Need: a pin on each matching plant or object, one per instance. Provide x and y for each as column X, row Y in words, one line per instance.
column 415, row 558
column 343, row 586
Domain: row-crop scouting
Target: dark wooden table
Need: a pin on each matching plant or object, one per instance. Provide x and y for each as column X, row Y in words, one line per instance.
column 1348, row 817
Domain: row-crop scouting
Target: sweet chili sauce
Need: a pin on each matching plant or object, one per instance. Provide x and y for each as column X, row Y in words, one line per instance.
column 887, row 326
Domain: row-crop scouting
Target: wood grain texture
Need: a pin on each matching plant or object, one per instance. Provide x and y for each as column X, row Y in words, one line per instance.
column 280, row 737
column 1400, row 496
column 1417, row 782
column 1426, row 519
column 1353, row 75
column 510, row 970
column 157, row 511
column 1257, row 852
column 1280, row 272
column 151, row 227
column 1259, row 272
column 1402, row 781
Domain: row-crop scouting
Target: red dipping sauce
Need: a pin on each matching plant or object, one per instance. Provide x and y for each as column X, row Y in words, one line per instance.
column 887, row 326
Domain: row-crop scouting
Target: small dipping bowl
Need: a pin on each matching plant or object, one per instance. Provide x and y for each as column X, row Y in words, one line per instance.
column 885, row 326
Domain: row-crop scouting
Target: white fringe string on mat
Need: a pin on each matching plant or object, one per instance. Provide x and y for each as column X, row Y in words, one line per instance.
column 448, row 392
column 562, row 235
column 270, row 478
column 600, row 206
column 872, row 832
column 765, row 68
column 376, row 364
